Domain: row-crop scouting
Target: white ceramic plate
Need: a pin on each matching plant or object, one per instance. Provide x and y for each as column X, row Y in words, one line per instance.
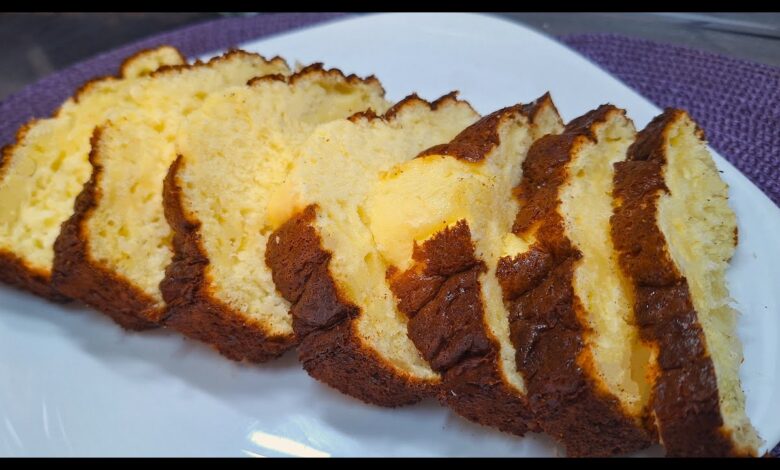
column 73, row 383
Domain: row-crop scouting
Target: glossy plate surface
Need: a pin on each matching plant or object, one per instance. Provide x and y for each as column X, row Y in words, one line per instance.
column 73, row 383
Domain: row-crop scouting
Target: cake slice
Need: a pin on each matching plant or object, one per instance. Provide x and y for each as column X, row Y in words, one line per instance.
column 438, row 222
column 675, row 234
column 44, row 170
column 233, row 152
column 569, row 307
column 113, row 250
column 324, row 261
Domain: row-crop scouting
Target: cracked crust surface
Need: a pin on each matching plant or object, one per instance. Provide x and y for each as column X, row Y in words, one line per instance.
column 442, row 293
column 331, row 350
column 548, row 320
column 686, row 402
column 335, row 347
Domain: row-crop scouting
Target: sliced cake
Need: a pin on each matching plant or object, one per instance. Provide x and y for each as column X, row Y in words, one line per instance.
column 113, row 250
column 569, row 307
column 676, row 233
column 234, row 151
column 438, row 222
column 44, row 170
column 323, row 256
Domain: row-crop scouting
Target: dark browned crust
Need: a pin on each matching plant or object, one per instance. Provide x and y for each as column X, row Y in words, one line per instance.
column 545, row 313
column 336, row 357
column 13, row 270
column 441, row 295
column 299, row 267
column 330, row 349
column 76, row 274
column 271, row 77
column 685, row 392
column 476, row 389
column 479, row 139
column 192, row 309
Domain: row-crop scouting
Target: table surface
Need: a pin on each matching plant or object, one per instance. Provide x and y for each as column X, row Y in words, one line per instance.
column 42, row 43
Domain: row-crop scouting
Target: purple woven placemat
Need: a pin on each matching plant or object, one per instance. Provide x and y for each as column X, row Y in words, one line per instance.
column 735, row 101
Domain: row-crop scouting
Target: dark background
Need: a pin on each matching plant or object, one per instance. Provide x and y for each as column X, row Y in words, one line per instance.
column 37, row 44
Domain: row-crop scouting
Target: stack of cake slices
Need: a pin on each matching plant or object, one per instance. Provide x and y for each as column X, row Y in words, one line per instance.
column 530, row 274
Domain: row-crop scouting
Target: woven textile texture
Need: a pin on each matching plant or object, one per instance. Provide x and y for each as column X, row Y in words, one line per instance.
column 735, row 101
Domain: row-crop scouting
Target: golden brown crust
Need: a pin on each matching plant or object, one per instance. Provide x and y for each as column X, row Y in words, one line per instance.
column 685, row 392
column 127, row 62
column 411, row 100
column 330, row 350
column 197, row 312
column 80, row 276
column 313, row 70
column 13, row 270
column 192, row 309
column 168, row 69
column 122, row 73
column 7, row 150
column 545, row 319
column 76, row 274
column 318, row 68
column 84, row 88
column 408, row 102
